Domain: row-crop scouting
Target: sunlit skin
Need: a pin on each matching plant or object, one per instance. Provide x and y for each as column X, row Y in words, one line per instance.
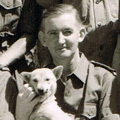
column 61, row 35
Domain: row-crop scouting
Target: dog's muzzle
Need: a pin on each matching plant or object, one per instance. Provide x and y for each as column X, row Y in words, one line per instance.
column 42, row 91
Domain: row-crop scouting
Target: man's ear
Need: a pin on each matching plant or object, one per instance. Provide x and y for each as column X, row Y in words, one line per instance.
column 41, row 37
column 58, row 71
column 26, row 76
column 82, row 33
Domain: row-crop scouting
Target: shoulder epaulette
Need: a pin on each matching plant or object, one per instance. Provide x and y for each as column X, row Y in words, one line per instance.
column 113, row 71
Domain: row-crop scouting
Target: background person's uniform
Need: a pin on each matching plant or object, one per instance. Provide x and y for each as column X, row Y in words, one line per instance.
column 17, row 17
column 102, row 50
column 98, row 13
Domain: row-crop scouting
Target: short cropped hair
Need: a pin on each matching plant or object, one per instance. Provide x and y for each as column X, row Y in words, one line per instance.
column 59, row 9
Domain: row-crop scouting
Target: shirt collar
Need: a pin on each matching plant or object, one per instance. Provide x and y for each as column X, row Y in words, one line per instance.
column 82, row 69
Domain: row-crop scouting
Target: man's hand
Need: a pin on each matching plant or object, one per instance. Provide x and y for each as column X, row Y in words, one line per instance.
column 25, row 100
column 25, row 103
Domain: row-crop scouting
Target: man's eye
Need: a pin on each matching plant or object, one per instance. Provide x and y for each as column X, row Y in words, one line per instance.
column 35, row 80
column 67, row 33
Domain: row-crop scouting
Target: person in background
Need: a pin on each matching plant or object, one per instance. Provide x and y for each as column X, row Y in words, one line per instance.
column 87, row 90
column 99, row 13
column 18, row 31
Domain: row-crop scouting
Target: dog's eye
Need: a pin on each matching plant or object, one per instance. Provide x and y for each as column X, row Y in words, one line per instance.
column 47, row 79
column 35, row 80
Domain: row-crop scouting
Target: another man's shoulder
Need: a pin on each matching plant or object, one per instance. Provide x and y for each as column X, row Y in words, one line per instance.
column 104, row 69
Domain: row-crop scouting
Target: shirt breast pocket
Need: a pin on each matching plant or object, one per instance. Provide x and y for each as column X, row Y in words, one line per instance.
column 10, row 4
column 89, row 112
column 10, row 14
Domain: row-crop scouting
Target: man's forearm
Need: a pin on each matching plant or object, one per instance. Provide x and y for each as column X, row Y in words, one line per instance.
column 15, row 52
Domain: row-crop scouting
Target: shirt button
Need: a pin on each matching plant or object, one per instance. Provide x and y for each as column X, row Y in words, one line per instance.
column 4, row 44
column 6, row 28
column 114, row 73
column 67, row 93
column 13, row 28
column 8, row 4
column 91, row 113
column 99, row 24
column 2, row 34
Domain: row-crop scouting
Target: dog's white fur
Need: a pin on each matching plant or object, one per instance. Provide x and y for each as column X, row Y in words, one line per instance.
column 44, row 83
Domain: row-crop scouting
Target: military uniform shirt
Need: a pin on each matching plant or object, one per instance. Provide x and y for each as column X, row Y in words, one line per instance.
column 16, row 14
column 90, row 91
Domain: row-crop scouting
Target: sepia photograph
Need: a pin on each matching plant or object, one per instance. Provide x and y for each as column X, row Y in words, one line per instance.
column 59, row 59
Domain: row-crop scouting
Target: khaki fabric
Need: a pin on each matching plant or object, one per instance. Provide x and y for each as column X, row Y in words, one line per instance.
column 91, row 92
column 8, row 93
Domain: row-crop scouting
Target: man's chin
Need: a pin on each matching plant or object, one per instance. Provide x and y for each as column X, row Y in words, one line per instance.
column 62, row 54
column 65, row 55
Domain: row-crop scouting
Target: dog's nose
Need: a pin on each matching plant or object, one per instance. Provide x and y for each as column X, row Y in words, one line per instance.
column 41, row 91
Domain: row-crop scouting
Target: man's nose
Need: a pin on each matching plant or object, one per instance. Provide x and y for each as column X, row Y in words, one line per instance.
column 61, row 38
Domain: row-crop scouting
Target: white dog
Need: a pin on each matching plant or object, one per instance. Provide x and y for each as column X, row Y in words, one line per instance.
column 44, row 83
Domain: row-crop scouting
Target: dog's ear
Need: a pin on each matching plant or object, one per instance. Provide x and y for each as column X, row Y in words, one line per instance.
column 26, row 76
column 58, row 71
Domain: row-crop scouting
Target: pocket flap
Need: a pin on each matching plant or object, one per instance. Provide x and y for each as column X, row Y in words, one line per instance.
column 89, row 111
column 10, row 4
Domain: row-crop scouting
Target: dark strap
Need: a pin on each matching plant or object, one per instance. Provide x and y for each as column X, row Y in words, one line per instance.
column 113, row 71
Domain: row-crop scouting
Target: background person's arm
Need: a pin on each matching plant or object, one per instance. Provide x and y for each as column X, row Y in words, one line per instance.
column 109, row 107
column 16, row 51
column 27, row 30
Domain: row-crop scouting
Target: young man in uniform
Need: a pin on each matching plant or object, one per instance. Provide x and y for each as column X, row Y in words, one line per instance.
column 86, row 90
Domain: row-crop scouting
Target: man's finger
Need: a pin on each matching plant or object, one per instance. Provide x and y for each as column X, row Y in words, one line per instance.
column 35, row 101
column 28, row 87
column 27, row 91
column 31, row 96
column 19, row 81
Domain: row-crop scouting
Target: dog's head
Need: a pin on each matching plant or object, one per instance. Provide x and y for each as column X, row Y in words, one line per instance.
column 43, row 80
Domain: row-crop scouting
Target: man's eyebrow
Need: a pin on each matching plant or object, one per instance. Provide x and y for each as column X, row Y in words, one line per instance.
column 68, row 29
column 51, row 31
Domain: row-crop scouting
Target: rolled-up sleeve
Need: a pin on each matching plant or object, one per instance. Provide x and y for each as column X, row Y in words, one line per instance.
column 109, row 101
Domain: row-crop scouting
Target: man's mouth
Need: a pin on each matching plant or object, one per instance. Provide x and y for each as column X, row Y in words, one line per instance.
column 61, row 48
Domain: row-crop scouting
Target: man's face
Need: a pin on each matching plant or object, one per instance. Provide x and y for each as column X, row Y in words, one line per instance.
column 62, row 34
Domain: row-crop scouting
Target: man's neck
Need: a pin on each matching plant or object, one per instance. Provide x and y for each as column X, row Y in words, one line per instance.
column 69, row 64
